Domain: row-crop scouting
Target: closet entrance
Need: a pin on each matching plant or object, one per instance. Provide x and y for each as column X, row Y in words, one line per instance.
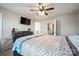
column 52, row 27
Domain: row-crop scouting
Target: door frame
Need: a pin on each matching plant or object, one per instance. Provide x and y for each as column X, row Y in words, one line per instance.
column 51, row 22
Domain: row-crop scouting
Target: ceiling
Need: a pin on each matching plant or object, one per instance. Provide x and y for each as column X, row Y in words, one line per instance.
column 23, row 8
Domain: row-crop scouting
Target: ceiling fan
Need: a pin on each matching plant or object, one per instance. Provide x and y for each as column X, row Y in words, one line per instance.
column 42, row 10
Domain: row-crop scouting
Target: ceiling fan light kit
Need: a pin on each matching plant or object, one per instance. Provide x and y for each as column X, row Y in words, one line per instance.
column 41, row 12
column 41, row 9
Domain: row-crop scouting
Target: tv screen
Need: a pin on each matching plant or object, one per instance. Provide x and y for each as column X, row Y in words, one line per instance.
column 25, row 21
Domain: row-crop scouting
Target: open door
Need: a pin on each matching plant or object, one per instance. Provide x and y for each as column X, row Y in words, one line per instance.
column 52, row 27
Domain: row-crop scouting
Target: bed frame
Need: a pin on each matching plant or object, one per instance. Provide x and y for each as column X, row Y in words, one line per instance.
column 17, row 35
column 73, row 48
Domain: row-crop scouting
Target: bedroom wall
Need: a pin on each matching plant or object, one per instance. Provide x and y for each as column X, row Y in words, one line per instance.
column 0, row 31
column 66, row 24
column 78, row 24
column 12, row 20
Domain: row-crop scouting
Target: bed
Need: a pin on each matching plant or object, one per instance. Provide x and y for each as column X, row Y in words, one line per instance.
column 42, row 45
column 18, row 34
column 73, row 41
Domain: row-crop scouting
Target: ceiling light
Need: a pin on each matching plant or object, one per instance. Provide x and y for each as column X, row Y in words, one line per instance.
column 41, row 12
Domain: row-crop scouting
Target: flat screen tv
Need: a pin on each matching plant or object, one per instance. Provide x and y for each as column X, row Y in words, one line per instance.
column 25, row 21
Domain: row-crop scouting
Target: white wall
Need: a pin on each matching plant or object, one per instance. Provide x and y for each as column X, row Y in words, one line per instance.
column 66, row 24
column 0, row 25
column 0, row 31
column 78, row 24
column 12, row 20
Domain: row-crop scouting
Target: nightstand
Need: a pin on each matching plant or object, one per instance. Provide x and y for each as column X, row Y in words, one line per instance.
column 7, row 44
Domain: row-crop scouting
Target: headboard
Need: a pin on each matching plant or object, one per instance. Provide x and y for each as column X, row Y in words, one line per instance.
column 20, row 34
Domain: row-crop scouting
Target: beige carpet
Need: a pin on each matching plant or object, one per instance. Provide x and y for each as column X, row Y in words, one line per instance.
column 6, row 53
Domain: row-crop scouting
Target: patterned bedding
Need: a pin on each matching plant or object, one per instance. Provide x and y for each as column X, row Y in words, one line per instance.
column 75, row 40
column 43, row 45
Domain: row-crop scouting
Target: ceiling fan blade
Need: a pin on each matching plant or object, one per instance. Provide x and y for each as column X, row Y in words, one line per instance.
column 46, row 13
column 49, row 9
column 33, row 10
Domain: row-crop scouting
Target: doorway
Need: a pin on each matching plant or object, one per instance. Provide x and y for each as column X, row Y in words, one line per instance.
column 52, row 27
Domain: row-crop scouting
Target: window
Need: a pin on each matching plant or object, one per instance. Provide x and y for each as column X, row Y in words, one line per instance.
column 37, row 27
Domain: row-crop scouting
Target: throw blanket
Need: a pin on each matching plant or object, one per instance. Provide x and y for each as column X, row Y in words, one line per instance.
column 46, row 45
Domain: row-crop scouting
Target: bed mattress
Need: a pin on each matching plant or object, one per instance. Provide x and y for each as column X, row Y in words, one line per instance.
column 43, row 45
